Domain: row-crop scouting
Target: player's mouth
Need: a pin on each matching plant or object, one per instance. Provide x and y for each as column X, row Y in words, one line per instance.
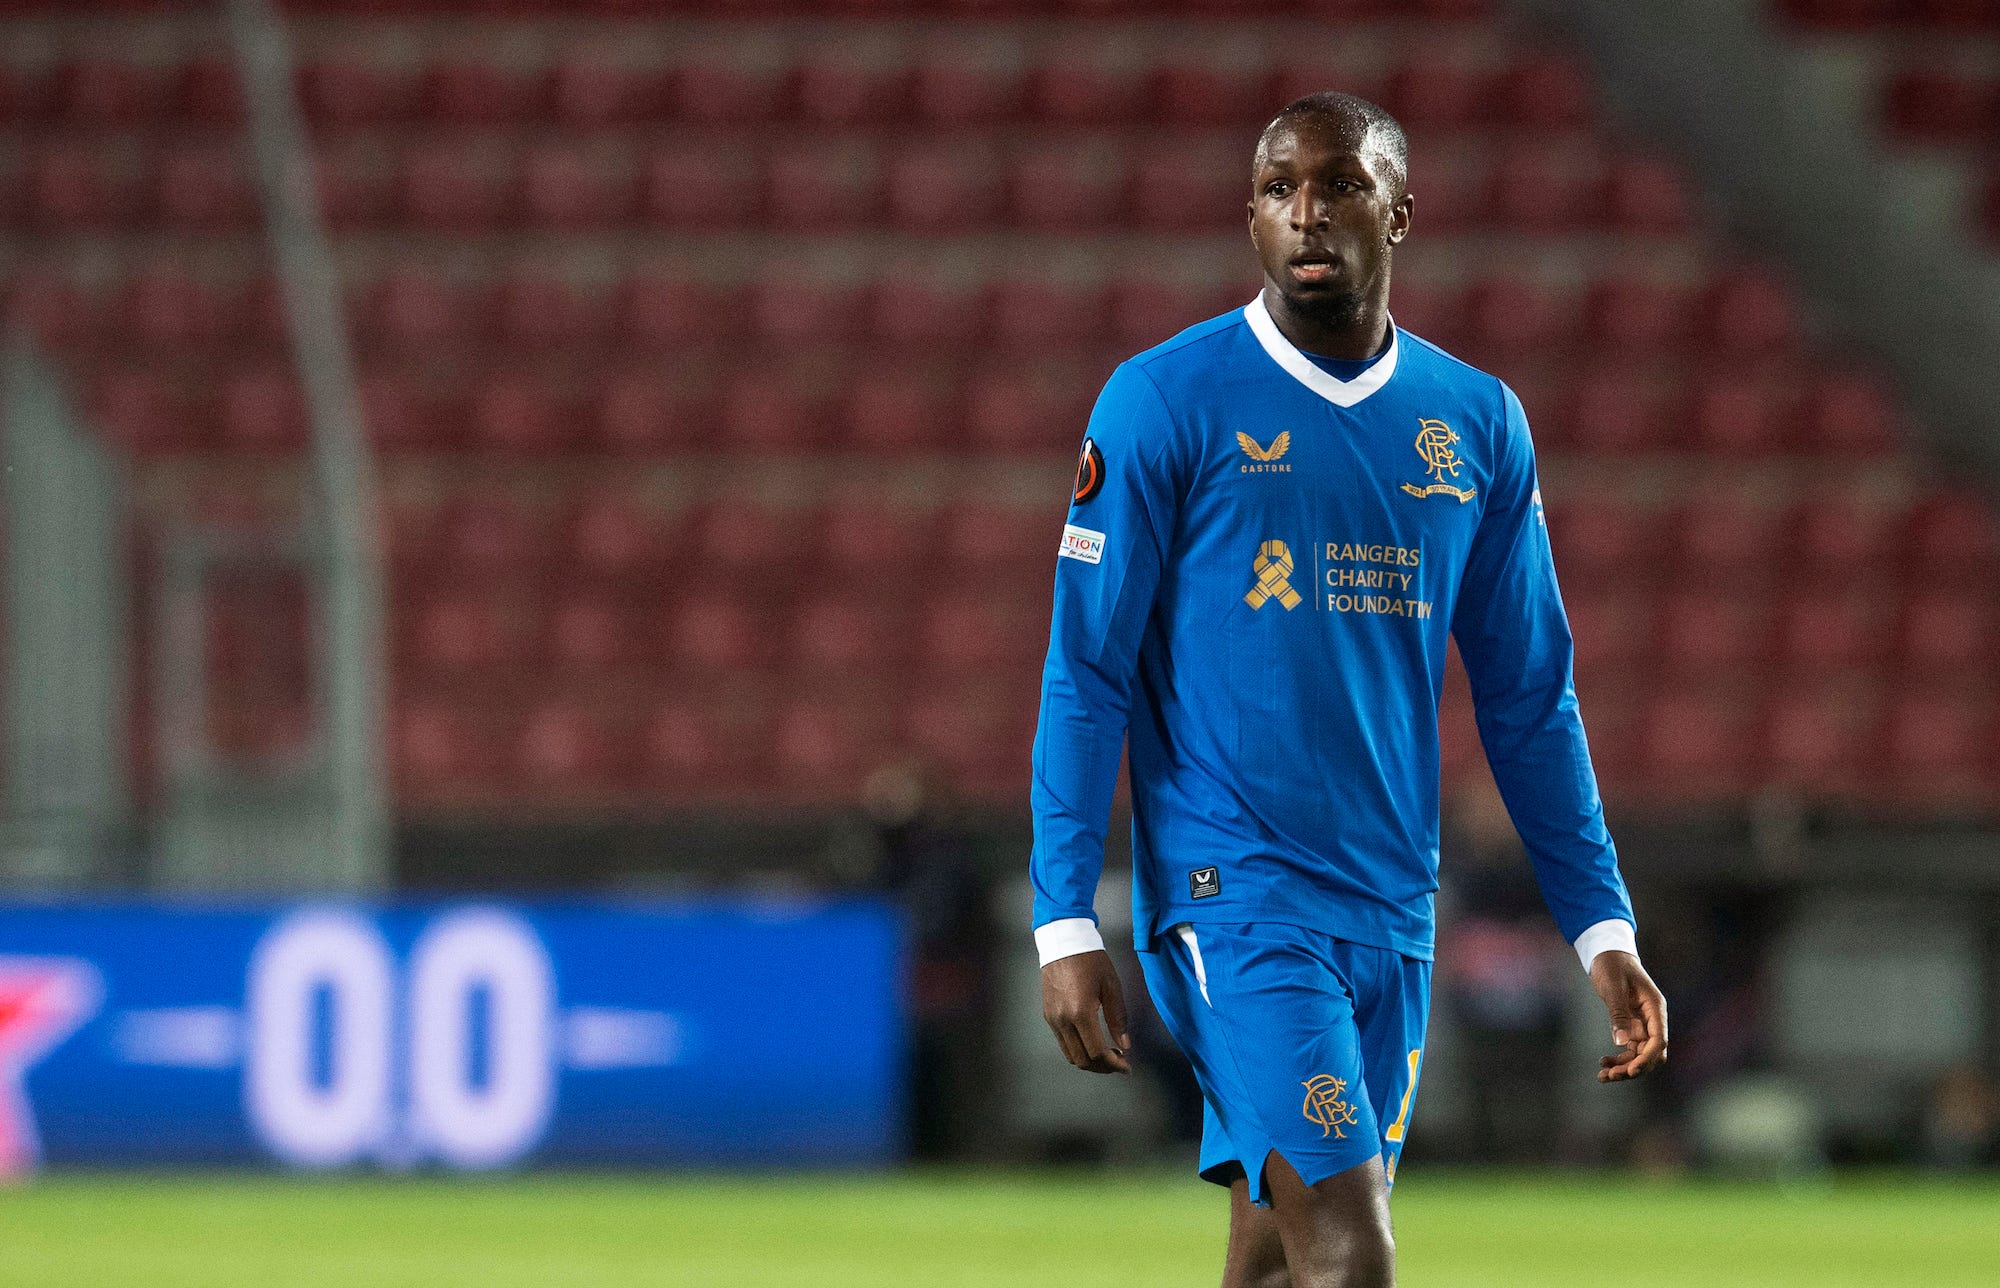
column 1311, row 266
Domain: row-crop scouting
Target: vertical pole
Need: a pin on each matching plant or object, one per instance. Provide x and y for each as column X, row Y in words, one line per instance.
column 350, row 636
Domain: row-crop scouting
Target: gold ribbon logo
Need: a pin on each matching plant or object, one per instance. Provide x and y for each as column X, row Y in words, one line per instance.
column 1325, row 1106
column 1273, row 567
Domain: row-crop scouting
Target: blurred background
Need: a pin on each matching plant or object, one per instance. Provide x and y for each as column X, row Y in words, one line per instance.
column 529, row 526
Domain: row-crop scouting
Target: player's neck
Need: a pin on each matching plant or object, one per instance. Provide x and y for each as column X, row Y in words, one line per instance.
column 1354, row 338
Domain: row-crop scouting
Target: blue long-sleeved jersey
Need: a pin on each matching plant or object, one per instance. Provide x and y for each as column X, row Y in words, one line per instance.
column 1257, row 578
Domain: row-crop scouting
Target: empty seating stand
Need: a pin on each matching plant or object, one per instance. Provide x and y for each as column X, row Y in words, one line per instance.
column 726, row 382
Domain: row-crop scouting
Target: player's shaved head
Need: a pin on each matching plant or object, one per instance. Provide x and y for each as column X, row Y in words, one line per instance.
column 1367, row 128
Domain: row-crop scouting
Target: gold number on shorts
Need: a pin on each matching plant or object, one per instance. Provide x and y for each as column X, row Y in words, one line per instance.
column 1402, row 1122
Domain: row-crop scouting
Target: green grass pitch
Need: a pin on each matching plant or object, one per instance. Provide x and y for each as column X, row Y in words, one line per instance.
column 965, row 1229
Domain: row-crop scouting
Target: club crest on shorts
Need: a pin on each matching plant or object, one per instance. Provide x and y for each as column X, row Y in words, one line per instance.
column 1325, row 1106
column 1204, row 883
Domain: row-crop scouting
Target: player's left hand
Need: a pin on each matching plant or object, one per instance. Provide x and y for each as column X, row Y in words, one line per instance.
column 1638, row 1016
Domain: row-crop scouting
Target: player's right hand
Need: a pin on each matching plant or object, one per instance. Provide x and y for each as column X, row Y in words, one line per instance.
column 1074, row 990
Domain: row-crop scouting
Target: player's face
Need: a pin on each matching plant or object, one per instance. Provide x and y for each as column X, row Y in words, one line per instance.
column 1324, row 212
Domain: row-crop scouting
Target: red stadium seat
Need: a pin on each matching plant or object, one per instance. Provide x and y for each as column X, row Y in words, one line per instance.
column 613, row 538
column 1614, row 632
column 452, row 191
column 1616, row 412
column 1849, row 412
column 686, row 186
column 479, row 92
column 1942, row 105
column 204, row 190
column 750, row 543
column 1434, row 97
column 871, row 540
column 979, row 738
column 970, row 634
column 1937, row 743
column 1012, row 409
column 1952, row 534
column 818, row 186
column 589, row 631
column 169, row 311
column 263, row 411
column 80, row 189
column 1516, row 316
column 1074, row 186
column 463, row 633
column 723, row 94
column 1833, row 630
column 108, row 92
column 590, row 93
column 691, row 748
column 1696, row 745
column 1086, row 91
column 143, row 415
column 401, row 418
column 1212, row 94
column 792, row 310
column 760, row 414
column 566, row 190
column 1546, row 190
column 417, row 311
column 1726, row 538
column 488, row 537
column 1647, row 197
column 569, row 751
column 1813, row 738
column 1184, row 188
column 1742, row 416
column 988, row 543
column 1044, row 313
column 956, row 90
column 1545, row 93
column 1839, row 537
column 927, row 311
column 1750, row 314
column 1946, row 633
column 538, row 315
column 356, row 190
column 1601, row 541
column 714, row 635
column 646, row 415
column 945, row 189
column 822, row 748
column 899, row 411
column 444, row 751
column 846, row 91
column 854, row 638
column 666, row 313
column 1707, row 635
column 515, row 414
column 337, row 94
column 1637, row 317
column 61, row 313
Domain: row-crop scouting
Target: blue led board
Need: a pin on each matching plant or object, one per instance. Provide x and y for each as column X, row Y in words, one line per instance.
column 456, row 1035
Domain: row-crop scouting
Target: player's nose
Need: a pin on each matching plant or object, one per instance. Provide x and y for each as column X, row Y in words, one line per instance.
column 1308, row 210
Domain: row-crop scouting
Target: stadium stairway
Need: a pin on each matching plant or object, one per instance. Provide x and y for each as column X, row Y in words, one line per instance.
column 726, row 368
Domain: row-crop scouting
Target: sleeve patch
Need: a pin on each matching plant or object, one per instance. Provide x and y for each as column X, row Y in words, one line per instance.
column 1089, row 473
column 1081, row 543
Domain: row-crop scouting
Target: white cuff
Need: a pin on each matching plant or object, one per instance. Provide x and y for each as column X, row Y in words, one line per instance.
column 1067, row 937
column 1606, row 936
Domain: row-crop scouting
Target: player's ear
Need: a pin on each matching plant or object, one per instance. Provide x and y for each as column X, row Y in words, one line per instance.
column 1399, row 218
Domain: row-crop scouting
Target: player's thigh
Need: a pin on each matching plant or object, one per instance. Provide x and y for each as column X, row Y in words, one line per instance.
column 1334, row 1231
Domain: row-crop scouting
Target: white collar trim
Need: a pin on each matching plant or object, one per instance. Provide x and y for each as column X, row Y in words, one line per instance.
column 1341, row 393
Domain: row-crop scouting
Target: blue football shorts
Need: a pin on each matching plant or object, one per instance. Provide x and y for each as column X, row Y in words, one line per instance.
column 1302, row 1043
